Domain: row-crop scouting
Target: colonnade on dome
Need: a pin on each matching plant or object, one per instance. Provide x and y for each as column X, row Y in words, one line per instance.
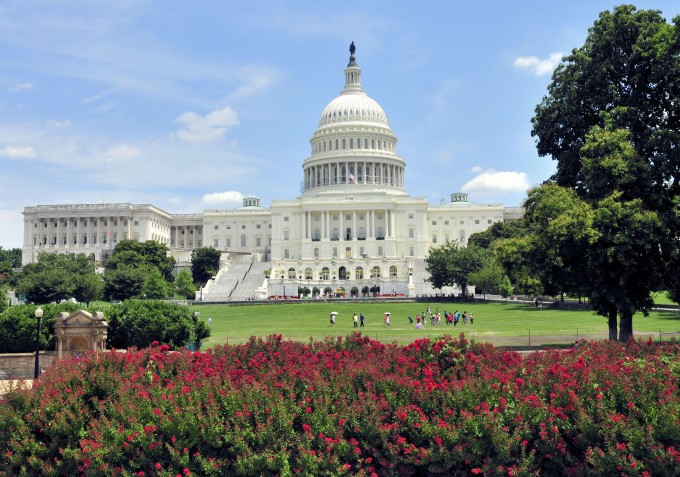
column 376, row 173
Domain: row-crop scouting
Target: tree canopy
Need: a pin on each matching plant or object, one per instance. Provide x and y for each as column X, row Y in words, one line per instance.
column 452, row 264
column 56, row 277
column 611, row 120
column 149, row 254
column 205, row 262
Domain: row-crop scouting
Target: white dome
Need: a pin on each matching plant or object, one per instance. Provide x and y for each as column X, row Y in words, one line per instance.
column 354, row 107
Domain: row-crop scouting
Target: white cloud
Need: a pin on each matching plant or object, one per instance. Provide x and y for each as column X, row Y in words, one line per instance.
column 254, row 84
column 53, row 123
column 21, row 87
column 211, row 127
column 14, row 152
column 476, row 170
column 122, row 151
column 498, row 181
column 228, row 197
column 538, row 66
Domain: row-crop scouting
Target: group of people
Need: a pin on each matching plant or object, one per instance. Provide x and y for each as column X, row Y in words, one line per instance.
column 450, row 318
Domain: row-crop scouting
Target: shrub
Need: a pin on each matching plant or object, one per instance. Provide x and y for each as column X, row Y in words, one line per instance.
column 351, row 407
column 18, row 326
column 133, row 323
column 138, row 323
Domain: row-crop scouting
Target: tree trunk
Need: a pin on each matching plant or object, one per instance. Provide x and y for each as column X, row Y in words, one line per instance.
column 626, row 325
column 612, row 324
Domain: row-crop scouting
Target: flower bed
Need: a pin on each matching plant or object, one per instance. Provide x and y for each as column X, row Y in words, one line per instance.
column 351, row 407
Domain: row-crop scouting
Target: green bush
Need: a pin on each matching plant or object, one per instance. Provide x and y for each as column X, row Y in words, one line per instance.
column 132, row 323
column 17, row 326
column 141, row 322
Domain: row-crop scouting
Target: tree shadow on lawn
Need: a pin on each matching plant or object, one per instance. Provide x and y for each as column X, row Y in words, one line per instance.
column 668, row 315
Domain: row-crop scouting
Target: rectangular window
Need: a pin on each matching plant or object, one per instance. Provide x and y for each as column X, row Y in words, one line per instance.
column 258, row 226
column 411, row 252
column 335, row 251
column 434, row 239
column 217, row 227
column 216, row 243
column 380, row 251
column 446, row 222
column 316, row 253
column 258, row 242
column 286, row 253
column 136, row 222
column 410, row 216
column 286, row 235
column 285, row 219
column 446, row 237
column 434, row 222
column 488, row 221
column 477, row 221
column 228, row 227
column 228, row 243
column 411, row 233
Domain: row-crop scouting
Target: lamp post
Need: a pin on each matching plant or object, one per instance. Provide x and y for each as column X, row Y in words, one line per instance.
column 38, row 316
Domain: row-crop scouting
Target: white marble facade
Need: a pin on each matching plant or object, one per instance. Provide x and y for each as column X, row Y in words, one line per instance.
column 354, row 223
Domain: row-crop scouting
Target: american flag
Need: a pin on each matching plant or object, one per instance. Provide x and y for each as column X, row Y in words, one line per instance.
column 351, row 177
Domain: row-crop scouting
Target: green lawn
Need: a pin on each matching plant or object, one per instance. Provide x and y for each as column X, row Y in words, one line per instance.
column 499, row 323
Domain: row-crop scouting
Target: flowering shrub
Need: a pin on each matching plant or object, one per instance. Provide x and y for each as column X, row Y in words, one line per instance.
column 351, row 406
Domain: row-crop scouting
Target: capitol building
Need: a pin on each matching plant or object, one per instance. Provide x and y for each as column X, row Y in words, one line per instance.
column 353, row 226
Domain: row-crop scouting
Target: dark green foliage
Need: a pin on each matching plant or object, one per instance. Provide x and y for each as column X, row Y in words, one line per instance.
column 148, row 255
column 184, row 285
column 155, row 287
column 55, row 277
column 18, row 327
column 452, row 263
column 12, row 256
column 205, row 262
column 133, row 323
column 141, row 322
column 611, row 120
column 498, row 230
column 123, row 283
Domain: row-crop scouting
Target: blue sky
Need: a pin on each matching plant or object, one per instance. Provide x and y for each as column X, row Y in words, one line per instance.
column 190, row 105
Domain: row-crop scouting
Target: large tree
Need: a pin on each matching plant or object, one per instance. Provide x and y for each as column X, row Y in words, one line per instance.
column 149, row 254
column 452, row 264
column 611, row 120
column 205, row 262
column 55, row 277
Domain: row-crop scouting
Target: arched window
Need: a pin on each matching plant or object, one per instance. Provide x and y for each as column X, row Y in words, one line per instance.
column 359, row 273
column 317, row 234
column 244, row 240
column 375, row 272
column 348, row 233
column 291, row 273
column 362, row 232
column 334, row 234
column 308, row 273
column 325, row 273
column 393, row 271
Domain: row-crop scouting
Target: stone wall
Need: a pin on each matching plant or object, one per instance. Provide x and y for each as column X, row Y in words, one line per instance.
column 22, row 365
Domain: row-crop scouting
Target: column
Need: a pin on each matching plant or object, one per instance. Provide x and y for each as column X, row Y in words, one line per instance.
column 392, row 222
column 342, row 224
column 354, row 225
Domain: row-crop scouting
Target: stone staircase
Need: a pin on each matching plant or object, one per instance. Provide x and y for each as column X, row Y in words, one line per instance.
column 238, row 280
column 251, row 281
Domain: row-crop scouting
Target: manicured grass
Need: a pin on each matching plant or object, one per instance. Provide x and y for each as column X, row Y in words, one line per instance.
column 501, row 323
